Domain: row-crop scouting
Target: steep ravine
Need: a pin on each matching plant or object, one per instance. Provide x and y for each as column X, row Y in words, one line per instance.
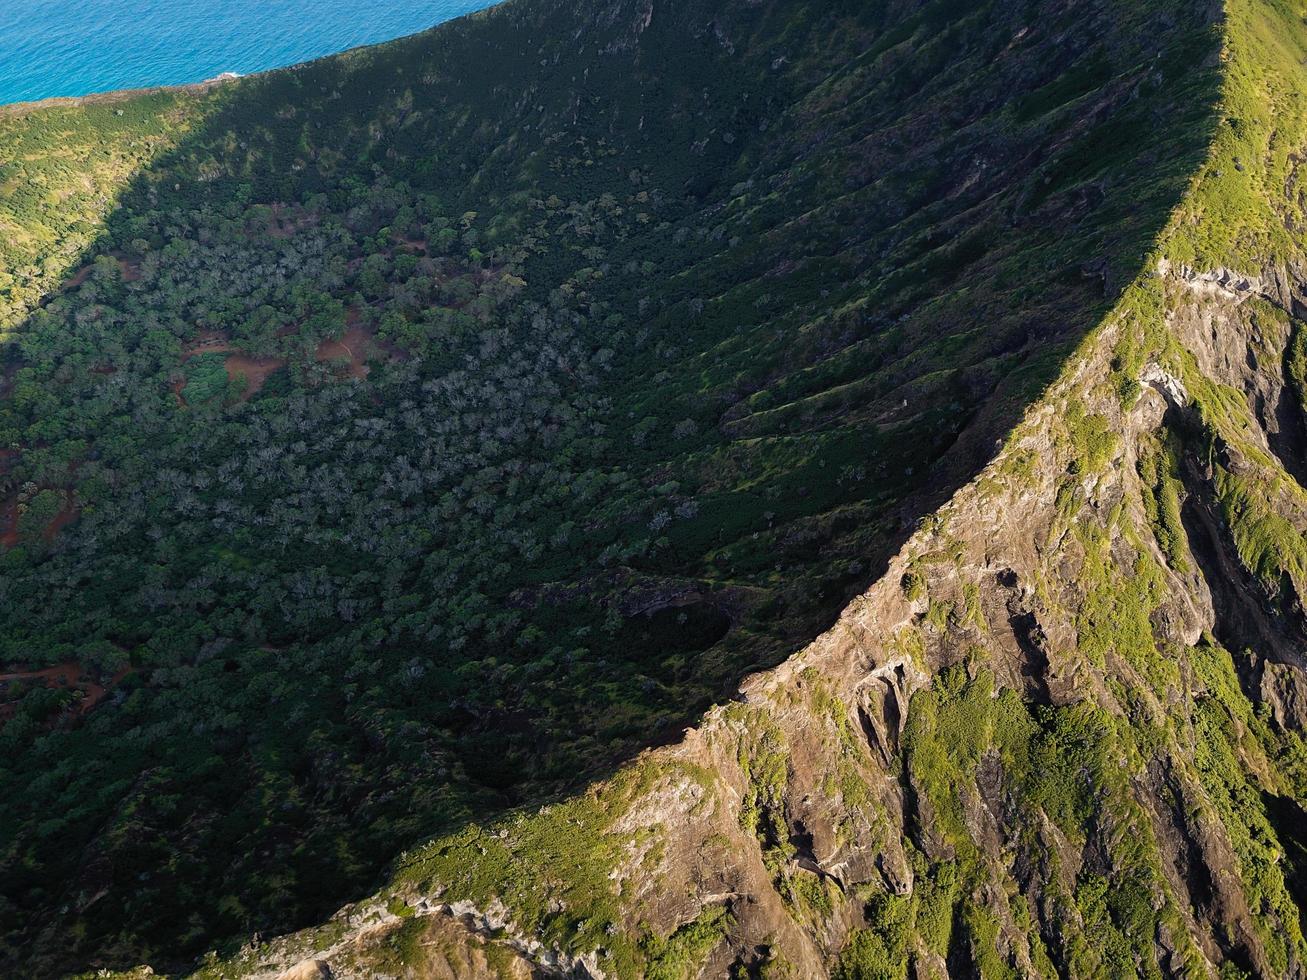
column 1062, row 736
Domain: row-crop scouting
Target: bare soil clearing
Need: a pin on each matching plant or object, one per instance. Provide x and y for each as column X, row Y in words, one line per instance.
column 353, row 349
column 255, row 371
column 354, row 327
column 9, row 523
column 79, row 277
column 354, row 345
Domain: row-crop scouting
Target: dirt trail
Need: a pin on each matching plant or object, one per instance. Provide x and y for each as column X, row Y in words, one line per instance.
column 129, row 269
column 79, row 277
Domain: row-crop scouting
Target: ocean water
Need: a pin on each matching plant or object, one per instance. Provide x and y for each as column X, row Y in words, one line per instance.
column 75, row 47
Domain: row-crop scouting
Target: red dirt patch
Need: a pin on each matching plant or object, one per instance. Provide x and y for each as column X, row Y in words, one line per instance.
column 9, row 522
column 63, row 677
column 79, row 277
column 67, row 514
column 287, row 221
column 373, row 343
column 355, row 346
column 255, row 370
column 130, row 270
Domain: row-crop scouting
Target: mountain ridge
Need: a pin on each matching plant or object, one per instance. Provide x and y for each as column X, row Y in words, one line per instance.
column 858, row 810
column 985, row 555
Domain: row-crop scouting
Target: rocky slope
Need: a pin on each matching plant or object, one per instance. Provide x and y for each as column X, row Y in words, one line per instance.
column 1061, row 736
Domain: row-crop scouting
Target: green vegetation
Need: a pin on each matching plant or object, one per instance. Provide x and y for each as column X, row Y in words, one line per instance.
column 206, row 379
column 62, row 169
column 1159, row 470
column 880, row 951
column 1071, row 765
column 1227, row 732
column 417, row 434
column 681, row 955
column 1092, row 440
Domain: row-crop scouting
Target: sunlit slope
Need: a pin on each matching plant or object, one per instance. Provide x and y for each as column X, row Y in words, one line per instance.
column 62, row 166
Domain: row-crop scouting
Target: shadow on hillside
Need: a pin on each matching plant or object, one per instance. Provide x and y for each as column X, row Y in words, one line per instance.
column 307, row 701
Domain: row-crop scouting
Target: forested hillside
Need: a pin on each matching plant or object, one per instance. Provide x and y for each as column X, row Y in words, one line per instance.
column 407, row 439
column 1060, row 736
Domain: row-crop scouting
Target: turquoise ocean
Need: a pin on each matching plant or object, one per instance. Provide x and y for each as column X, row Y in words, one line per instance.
column 75, row 47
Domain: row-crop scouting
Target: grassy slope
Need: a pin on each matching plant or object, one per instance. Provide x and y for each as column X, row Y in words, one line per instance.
column 63, row 166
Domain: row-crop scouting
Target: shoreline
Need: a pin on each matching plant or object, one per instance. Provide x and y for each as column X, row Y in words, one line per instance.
column 119, row 95
column 113, row 95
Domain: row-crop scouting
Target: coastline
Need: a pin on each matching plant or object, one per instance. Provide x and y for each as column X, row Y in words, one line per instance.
column 198, row 87
column 120, row 95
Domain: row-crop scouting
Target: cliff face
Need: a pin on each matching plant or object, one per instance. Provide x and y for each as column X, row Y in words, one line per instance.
column 1062, row 735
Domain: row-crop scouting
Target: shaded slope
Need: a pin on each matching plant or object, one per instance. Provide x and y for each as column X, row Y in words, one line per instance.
column 682, row 315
